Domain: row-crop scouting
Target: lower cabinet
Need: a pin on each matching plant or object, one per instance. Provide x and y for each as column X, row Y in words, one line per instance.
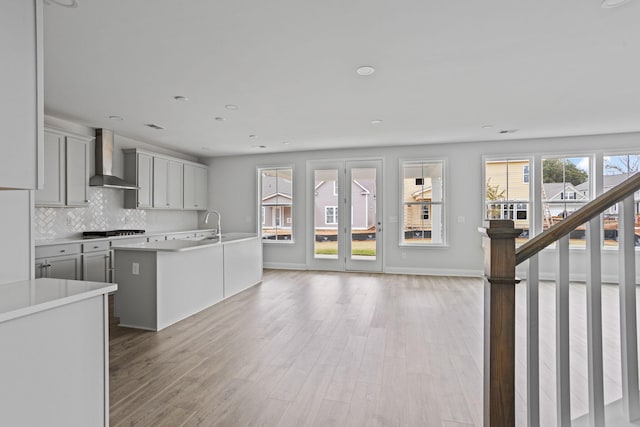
column 60, row 267
column 96, row 266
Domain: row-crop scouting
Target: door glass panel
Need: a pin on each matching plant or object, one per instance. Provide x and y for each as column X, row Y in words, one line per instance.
column 363, row 213
column 326, row 213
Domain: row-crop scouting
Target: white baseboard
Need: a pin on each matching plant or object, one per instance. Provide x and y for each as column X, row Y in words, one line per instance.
column 433, row 271
column 284, row 266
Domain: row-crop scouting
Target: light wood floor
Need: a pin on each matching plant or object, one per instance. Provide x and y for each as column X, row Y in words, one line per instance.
column 324, row 349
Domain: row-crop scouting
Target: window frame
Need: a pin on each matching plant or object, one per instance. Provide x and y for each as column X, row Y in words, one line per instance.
column 260, row 208
column 334, row 215
column 443, row 203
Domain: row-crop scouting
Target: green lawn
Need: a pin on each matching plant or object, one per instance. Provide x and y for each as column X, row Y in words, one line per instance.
column 358, row 247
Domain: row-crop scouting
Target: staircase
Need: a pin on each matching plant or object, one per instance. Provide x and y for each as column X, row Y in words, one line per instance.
column 501, row 258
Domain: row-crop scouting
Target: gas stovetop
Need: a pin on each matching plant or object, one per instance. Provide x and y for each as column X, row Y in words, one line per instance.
column 109, row 233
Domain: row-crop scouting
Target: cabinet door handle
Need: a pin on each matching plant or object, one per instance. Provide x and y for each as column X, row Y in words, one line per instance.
column 96, row 247
column 63, row 250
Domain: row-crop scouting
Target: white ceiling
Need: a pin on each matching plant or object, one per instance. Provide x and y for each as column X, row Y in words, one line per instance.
column 444, row 69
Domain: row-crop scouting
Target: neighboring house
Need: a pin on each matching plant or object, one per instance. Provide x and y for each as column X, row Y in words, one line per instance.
column 512, row 201
column 363, row 206
column 563, row 198
column 418, row 216
column 276, row 203
column 610, row 181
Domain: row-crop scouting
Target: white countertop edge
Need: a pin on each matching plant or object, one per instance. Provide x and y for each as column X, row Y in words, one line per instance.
column 170, row 245
column 63, row 241
column 48, row 305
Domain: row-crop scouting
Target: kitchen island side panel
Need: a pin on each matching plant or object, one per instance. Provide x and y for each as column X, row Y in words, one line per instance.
column 136, row 298
column 188, row 282
column 53, row 367
column 242, row 265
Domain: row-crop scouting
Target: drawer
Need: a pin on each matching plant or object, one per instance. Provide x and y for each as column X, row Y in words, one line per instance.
column 178, row 236
column 57, row 250
column 156, row 238
column 95, row 246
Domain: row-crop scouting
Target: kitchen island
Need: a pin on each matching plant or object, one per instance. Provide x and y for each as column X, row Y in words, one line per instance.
column 54, row 361
column 161, row 283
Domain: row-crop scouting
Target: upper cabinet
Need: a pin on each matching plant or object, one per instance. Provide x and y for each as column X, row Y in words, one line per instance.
column 195, row 187
column 66, row 170
column 21, row 85
column 167, row 183
column 138, row 168
column 164, row 182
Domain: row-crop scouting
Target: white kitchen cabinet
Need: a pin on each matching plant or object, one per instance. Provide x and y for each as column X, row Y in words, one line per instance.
column 52, row 191
column 59, row 261
column 196, row 187
column 66, row 170
column 167, row 184
column 59, row 267
column 96, row 266
column 21, row 85
column 138, row 168
column 156, row 238
column 77, row 171
column 96, row 261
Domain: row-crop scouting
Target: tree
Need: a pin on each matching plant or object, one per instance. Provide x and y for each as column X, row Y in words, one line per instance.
column 557, row 170
column 493, row 193
column 626, row 164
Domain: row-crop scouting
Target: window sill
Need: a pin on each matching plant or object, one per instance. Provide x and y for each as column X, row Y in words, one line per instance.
column 423, row 245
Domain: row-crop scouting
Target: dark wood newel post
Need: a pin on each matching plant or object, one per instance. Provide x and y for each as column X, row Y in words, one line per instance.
column 499, row 322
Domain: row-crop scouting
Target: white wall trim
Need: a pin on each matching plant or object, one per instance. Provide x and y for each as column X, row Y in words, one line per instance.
column 284, row 266
column 432, row 271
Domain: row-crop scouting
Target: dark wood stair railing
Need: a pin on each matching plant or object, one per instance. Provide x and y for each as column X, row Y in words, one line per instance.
column 500, row 261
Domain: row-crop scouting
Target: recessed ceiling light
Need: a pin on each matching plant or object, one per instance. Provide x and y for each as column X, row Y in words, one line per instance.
column 365, row 70
column 220, row 119
column 286, row 142
column 505, row 131
column 259, row 146
column 610, row 4
column 180, row 98
column 154, row 126
column 116, row 118
column 376, row 122
column 231, row 107
column 487, row 127
column 253, row 136
column 63, row 3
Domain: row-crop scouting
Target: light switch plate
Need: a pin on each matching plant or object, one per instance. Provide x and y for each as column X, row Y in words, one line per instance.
column 135, row 268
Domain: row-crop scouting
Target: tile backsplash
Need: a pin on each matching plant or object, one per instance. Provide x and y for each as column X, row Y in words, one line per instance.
column 105, row 212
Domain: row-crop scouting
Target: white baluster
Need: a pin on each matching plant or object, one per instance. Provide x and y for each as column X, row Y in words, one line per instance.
column 628, row 327
column 594, row 323
column 562, row 333
column 533, row 345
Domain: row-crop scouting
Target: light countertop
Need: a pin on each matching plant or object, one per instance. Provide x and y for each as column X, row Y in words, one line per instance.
column 185, row 244
column 46, row 242
column 18, row 299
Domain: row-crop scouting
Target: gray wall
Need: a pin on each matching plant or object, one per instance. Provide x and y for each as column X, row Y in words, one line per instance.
column 464, row 191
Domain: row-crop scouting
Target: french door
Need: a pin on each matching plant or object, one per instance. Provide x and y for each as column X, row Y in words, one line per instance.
column 346, row 215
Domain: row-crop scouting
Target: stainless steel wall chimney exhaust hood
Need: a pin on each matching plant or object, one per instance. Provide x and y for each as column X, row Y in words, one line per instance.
column 104, row 164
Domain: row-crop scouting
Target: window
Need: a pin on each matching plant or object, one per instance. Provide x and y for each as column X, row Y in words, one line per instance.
column 507, row 191
column 331, row 215
column 422, row 202
column 565, row 189
column 335, row 187
column 276, row 203
column 617, row 168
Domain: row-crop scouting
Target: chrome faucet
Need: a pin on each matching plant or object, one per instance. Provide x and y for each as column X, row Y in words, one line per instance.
column 206, row 221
